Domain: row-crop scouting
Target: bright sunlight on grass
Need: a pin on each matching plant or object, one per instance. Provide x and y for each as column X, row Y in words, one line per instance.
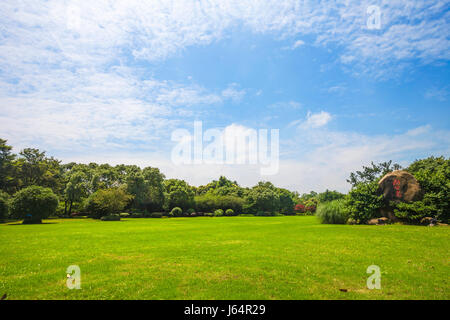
column 222, row 258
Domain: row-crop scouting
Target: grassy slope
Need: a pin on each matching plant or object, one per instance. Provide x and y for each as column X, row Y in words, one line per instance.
column 222, row 258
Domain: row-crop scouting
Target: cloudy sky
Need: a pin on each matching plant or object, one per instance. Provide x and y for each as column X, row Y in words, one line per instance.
column 109, row 81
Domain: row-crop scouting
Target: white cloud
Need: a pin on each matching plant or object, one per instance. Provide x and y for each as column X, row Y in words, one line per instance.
column 234, row 93
column 317, row 120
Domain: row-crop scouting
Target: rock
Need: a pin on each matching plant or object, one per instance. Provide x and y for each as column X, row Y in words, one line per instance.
column 427, row 221
column 399, row 186
column 378, row 221
column 383, row 220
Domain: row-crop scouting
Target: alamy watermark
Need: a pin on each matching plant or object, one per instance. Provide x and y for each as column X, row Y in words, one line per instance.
column 232, row 145
column 373, row 281
column 73, row 277
column 373, row 17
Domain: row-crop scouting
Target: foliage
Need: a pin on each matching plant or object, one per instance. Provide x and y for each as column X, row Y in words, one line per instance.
column 147, row 187
column 373, row 173
column 300, row 208
column 221, row 187
column 265, row 214
column 433, row 175
column 7, row 179
column 218, row 213
column 332, row 212
column 286, row 201
column 229, row 212
column 363, row 202
column 33, row 204
column 329, row 196
column 107, row 201
column 176, row 212
column 124, row 214
column 262, row 197
column 178, row 194
column 76, row 189
column 111, row 217
column 4, row 205
column 156, row 215
column 209, row 202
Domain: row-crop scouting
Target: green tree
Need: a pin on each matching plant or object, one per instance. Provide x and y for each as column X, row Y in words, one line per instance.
column 372, row 173
column 262, row 197
column 363, row 202
column 34, row 168
column 4, row 205
column 76, row 189
column 178, row 194
column 105, row 202
column 7, row 179
column 433, row 175
column 286, row 199
column 33, row 204
column 328, row 196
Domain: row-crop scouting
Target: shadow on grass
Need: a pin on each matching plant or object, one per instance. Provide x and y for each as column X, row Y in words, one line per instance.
column 32, row 224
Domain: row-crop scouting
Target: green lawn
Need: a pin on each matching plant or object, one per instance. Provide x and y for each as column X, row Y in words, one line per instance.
column 222, row 258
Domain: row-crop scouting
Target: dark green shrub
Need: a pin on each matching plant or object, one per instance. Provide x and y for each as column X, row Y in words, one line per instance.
column 112, row 217
column 261, row 198
column 4, row 205
column 208, row 214
column 156, row 215
column 189, row 211
column 178, row 194
column 33, row 204
column 210, row 203
column 433, row 175
column 136, row 215
column 176, row 212
column 147, row 214
column 363, row 202
column 265, row 214
column 229, row 212
column 107, row 201
column 218, row 213
column 332, row 212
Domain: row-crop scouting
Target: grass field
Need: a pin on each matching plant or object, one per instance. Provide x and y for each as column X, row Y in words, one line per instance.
column 222, row 258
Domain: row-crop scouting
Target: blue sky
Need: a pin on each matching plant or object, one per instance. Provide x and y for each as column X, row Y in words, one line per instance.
column 110, row 81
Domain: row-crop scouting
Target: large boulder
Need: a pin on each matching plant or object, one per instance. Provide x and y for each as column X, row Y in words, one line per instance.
column 398, row 186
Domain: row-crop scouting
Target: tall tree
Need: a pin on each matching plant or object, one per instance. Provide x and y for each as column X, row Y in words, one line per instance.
column 7, row 179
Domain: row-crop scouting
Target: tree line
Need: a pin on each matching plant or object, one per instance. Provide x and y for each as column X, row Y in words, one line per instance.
column 101, row 189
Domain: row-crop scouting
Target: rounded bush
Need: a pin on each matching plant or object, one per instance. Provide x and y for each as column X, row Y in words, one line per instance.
column 156, row 215
column 190, row 211
column 208, row 214
column 218, row 213
column 112, row 217
column 4, row 198
column 333, row 212
column 33, row 204
column 137, row 215
column 176, row 212
column 229, row 212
